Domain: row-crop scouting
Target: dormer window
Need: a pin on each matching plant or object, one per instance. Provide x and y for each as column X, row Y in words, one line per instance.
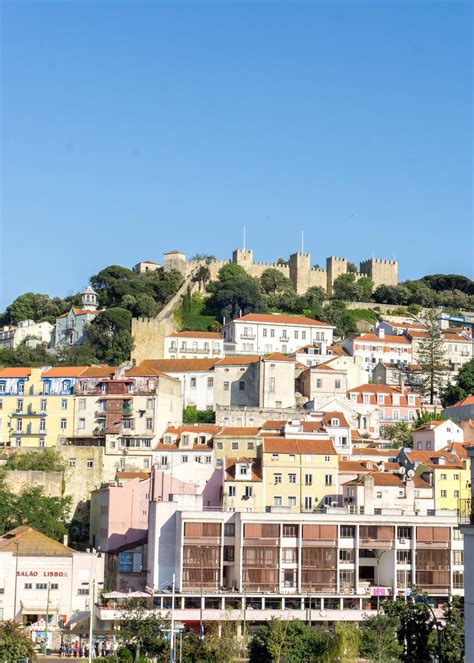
column 380, row 399
column 396, row 399
column 66, row 386
column 104, row 387
column 167, row 439
column 366, row 398
column 334, row 422
column 202, row 439
column 243, row 470
column 185, row 440
column 411, row 400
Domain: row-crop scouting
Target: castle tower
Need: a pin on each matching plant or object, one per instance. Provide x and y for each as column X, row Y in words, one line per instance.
column 334, row 268
column 175, row 260
column 382, row 272
column 300, row 271
column 89, row 299
column 243, row 257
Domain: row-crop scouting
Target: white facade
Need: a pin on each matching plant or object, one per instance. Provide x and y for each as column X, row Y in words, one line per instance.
column 467, row 519
column 35, row 332
column 258, row 333
column 375, row 347
column 183, row 345
column 436, row 435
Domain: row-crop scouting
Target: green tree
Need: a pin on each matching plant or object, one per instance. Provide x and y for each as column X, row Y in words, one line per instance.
column 432, row 359
column 378, row 639
column 235, row 291
column 193, row 416
column 337, row 314
column 463, row 385
column 364, row 287
column 399, row 433
column 202, row 275
column 48, row 515
column 414, row 629
column 24, row 355
column 452, row 642
column 344, row 641
column 273, row 281
column 351, row 268
column 143, row 630
column 291, row 641
column 203, row 257
column 345, row 288
column 35, row 306
column 312, row 298
column 46, row 460
column 15, row 643
column 75, row 355
column 423, row 416
column 110, row 334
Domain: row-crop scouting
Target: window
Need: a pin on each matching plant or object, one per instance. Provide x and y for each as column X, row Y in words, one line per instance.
column 380, row 399
column 379, row 494
column 83, row 591
column 292, row 501
column 308, row 479
column 319, row 383
column 456, row 493
column 337, row 384
column 458, row 557
column 458, row 579
column 63, row 424
column 248, row 491
column 456, row 477
column 226, row 386
column 193, row 383
column 289, row 555
column 277, row 501
column 289, row 578
column 403, row 557
column 242, row 385
column 89, row 463
column 303, row 335
column 353, row 397
column 444, row 493
column 21, row 388
column 264, row 332
column 41, row 443
column 272, row 384
column 243, row 470
column 43, row 405
column 41, row 585
column 228, row 553
column 444, row 477
column 411, row 400
column 231, row 491
column 19, row 405
column 343, row 441
column 184, row 459
column 346, row 578
column 42, row 426
column 229, row 529
column 276, row 478
column 149, row 403
column 346, row 555
column 457, row 534
column 396, row 415
column 81, row 424
column 54, row 585
column 19, row 425
column 235, row 446
column 28, row 585
column 366, row 398
column 292, row 478
column 250, row 446
column 149, row 423
column 72, row 462
column 63, row 403
column 404, row 532
column 328, row 480
column 347, row 532
column 2, row 387
column 272, row 333
column 308, row 503
column 210, row 382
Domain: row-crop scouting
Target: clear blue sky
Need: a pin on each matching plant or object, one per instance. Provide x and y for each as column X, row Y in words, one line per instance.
column 130, row 128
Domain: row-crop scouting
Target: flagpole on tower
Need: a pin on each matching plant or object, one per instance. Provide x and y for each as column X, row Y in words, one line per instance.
column 302, row 241
column 244, row 237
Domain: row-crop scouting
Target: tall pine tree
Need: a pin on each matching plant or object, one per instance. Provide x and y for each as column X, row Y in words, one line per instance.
column 432, row 359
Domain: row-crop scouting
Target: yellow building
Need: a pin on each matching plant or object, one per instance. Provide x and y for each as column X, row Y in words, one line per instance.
column 447, row 470
column 237, row 442
column 36, row 406
column 299, row 474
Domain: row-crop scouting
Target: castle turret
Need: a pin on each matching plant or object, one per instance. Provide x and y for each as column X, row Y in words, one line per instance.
column 89, row 299
column 300, row 271
column 334, row 268
column 382, row 272
column 175, row 260
column 243, row 257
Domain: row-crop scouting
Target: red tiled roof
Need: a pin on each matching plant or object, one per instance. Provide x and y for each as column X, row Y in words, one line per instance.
column 235, row 431
column 64, row 372
column 427, row 458
column 196, row 334
column 238, row 361
column 133, row 475
column 256, row 468
column 353, row 466
column 281, row 319
column 156, row 366
column 366, row 451
column 273, row 424
column 15, row 372
column 191, row 428
column 386, row 339
column 78, row 311
column 429, row 425
column 277, row 356
column 469, row 400
column 98, row 372
column 327, row 416
column 293, row 446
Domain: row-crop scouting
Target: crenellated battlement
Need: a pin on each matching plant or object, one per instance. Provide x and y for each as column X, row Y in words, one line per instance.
column 298, row 268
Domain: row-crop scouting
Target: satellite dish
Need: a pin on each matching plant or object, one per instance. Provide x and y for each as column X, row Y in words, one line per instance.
column 410, row 474
column 402, row 470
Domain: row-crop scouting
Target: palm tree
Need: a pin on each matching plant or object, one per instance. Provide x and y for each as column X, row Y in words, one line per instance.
column 15, row 643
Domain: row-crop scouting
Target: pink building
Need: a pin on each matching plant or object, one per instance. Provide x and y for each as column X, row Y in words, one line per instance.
column 394, row 403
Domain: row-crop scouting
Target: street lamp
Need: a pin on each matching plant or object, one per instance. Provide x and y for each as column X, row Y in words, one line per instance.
column 92, row 601
column 422, row 599
column 378, row 556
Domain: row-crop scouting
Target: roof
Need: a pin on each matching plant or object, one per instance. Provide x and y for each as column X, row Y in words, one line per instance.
column 64, row 372
column 407, row 325
column 156, row 366
column 78, row 311
column 327, row 416
column 427, row 458
column 281, row 319
column 15, row 372
column 289, row 446
column 366, row 451
column 273, row 424
column 388, row 479
column 139, row 474
column 277, row 356
column 196, row 334
column 337, row 350
column 32, row 543
column 193, row 428
column 98, row 372
column 378, row 389
column 469, row 400
column 250, row 431
column 237, row 361
column 388, row 338
column 429, row 425
column 256, row 468
column 352, row 466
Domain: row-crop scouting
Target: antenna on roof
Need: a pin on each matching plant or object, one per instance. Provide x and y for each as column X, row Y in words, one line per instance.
column 244, row 237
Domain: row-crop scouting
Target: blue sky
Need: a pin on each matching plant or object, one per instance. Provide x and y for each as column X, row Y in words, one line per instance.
column 130, row 128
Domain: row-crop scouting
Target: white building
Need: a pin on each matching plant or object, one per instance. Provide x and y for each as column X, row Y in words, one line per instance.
column 33, row 568
column 187, row 344
column 259, row 333
column 35, row 333
column 435, row 435
column 380, row 347
column 466, row 512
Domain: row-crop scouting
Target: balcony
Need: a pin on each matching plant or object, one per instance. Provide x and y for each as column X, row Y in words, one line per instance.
column 193, row 351
column 127, row 412
column 284, row 339
column 465, row 512
column 248, row 336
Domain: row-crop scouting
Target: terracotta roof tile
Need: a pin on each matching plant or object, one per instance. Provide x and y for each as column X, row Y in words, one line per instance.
column 32, row 543
column 154, row 367
column 402, row 340
column 278, row 356
column 64, row 372
column 256, row 468
column 196, row 334
column 281, row 319
column 15, row 372
column 297, row 446
column 249, row 431
column 237, row 361
column 98, row 372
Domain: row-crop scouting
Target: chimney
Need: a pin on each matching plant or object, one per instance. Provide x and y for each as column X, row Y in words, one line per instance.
column 65, row 540
column 381, row 332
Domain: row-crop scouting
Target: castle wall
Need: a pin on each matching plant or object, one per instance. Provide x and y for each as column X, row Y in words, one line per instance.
column 382, row 272
column 334, row 268
column 318, row 277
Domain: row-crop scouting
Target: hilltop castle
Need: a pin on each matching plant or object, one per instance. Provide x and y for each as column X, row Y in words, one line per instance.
column 298, row 268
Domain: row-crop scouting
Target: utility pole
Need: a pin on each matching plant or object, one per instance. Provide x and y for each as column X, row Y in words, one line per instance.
column 46, row 635
column 201, row 627
column 17, row 544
